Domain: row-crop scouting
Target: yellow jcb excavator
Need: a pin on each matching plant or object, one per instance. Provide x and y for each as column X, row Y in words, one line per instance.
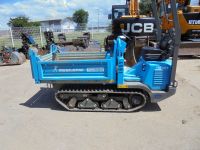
column 189, row 19
column 125, row 17
column 137, row 28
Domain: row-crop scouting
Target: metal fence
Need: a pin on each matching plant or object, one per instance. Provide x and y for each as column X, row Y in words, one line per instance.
column 11, row 37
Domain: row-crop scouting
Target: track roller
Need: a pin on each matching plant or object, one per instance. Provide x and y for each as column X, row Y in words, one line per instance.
column 111, row 104
column 87, row 104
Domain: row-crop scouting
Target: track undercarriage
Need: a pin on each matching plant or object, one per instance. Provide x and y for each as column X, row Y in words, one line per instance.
column 101, row 99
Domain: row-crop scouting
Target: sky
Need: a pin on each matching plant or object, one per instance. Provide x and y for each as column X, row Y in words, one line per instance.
column 55, row 9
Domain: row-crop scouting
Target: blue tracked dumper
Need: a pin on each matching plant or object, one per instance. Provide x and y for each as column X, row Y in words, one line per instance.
column 100, row 81
column 91, row 81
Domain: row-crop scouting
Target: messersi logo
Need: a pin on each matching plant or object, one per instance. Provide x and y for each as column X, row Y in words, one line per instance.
column 137, row 28
column 194, row 21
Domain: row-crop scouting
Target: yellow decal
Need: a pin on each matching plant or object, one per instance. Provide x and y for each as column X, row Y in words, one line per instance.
column 111, row 81
column 123, row 86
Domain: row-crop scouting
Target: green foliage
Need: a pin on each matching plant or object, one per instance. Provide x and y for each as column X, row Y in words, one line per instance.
column 36, row 24
column 21, row 21
column 145, row 7
column 81, row 17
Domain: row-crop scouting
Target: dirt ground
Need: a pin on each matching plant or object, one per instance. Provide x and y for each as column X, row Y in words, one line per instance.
column 30, row 119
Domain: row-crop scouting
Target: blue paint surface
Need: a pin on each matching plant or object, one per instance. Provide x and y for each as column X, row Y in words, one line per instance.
column 154, row 74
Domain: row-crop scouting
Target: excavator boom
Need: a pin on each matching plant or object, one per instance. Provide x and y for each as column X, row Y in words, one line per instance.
column 133, row 7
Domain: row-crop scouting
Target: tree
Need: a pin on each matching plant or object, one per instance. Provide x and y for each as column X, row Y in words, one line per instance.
column 36, row 24
column 145, row 7
column 21, row 21
column 81, row 18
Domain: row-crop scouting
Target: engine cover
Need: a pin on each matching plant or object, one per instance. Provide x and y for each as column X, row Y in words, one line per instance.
column 134, row 26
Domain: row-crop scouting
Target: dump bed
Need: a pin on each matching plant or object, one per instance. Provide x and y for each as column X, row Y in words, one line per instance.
column 73, row 67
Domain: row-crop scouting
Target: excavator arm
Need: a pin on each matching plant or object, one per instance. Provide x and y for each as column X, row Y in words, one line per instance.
column 133, row 7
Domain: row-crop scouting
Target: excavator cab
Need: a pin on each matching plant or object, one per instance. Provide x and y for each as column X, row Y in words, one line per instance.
column 118, row 11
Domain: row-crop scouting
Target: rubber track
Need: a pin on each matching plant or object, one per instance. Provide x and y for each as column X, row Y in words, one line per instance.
column 105, row 91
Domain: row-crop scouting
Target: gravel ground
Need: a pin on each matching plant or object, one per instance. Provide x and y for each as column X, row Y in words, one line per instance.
column 30, row 119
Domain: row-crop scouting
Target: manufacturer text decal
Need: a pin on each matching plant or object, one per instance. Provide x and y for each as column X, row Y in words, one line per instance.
column 194, row 22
